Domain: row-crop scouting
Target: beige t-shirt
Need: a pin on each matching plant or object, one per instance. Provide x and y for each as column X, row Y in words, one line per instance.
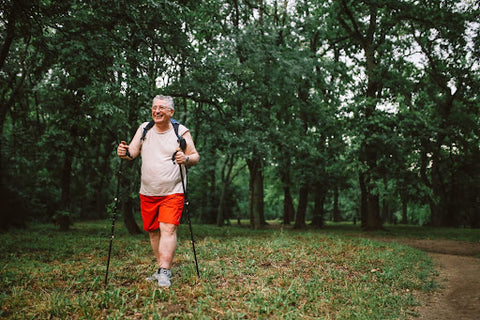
column 160, row 175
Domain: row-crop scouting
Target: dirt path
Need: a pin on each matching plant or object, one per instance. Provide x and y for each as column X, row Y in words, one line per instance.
column 459, row 279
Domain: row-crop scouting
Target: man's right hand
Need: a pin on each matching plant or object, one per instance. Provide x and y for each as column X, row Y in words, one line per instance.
column 122, row 150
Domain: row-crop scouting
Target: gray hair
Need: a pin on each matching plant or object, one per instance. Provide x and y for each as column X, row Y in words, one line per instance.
column 167, row 99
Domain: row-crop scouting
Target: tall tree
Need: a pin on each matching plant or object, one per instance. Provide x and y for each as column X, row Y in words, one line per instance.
column 366, row 32
column 447, row 94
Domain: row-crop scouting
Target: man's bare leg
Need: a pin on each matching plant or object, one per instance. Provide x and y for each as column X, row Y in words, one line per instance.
column 164, row 244
column 155, row 242
column 167, row 244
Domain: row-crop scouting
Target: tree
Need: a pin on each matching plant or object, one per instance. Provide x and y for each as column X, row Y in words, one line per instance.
column 287, row 101
column 447, row 94
column 368, row 33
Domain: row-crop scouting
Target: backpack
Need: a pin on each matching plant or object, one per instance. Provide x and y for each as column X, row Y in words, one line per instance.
column 175, row 124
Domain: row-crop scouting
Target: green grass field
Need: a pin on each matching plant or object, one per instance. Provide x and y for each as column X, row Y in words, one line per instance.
column 245, row 274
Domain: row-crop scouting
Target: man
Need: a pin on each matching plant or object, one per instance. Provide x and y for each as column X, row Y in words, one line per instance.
column 161, row 191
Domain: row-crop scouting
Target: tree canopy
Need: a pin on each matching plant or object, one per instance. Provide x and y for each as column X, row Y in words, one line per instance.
column 302, row 111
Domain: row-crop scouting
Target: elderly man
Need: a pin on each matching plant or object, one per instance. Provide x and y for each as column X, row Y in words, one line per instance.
column 161, row 191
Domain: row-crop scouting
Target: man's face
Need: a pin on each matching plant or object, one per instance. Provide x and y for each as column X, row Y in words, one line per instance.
column 161, row 112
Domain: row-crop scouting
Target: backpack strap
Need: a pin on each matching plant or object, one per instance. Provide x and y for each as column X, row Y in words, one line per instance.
column 175, row 124
column 181, row 141
column 145, row 130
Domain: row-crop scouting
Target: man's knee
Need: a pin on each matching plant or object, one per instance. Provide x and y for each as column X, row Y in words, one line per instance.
column 154, row 234
column 168, row 229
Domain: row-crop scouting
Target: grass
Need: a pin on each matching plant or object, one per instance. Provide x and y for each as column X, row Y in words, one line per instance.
column 410, row 231
column 245, row 274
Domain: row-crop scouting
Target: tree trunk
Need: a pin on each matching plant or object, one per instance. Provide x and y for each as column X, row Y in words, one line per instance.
column 441, row 208
column 256, row 201
column 100, row 196
column 226, row 176
column 288, row 208
column 212, row 199
column 373, row 220
column 318, row 209
column 128, row 218
column 336, row 210
column 363, row 200
column 404, row 210
column 302, row 207
column 66, row 181
column 221, row 206
column 64, row 217
column 128, row 203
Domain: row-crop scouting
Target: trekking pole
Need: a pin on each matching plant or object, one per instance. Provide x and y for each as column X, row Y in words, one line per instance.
column 114, row 217
column 185, row 207
column 183, row 145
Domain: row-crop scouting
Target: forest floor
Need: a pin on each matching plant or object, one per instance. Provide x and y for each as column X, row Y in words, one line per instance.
column 458, row 265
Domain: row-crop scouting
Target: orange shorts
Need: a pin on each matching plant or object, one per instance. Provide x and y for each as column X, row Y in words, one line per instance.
column 167, row 209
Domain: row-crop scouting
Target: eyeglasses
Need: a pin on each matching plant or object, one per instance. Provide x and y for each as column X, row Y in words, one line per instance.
column 160, row 108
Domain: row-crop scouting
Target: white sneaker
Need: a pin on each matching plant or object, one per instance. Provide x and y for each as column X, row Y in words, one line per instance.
column 153, row 277
column 163, row 276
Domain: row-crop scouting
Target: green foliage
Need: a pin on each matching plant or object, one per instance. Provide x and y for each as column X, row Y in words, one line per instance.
column 309, row 93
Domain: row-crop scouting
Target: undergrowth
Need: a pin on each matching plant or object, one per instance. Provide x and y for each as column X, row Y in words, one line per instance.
column 245, row 274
